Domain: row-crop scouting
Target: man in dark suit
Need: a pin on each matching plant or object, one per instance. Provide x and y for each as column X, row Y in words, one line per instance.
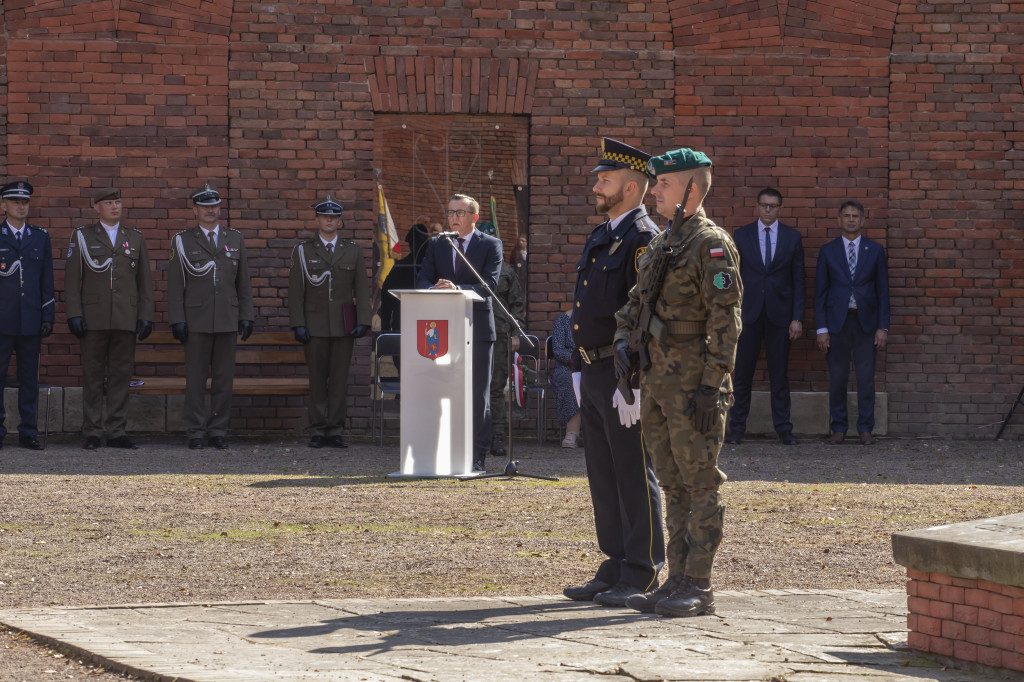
column 443, row 269
column 772, row 270
column 26, row 305
column 851, row 312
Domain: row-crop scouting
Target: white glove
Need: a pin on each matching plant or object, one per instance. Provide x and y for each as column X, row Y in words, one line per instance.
column 576, row 376
column 628, row 414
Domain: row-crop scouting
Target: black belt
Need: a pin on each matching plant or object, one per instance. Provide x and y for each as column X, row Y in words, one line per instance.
column 594, row 354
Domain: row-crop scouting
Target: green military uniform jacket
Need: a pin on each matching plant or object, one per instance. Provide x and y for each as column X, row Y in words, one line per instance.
column 320, row 284
column 699, row 306
column 111, row 286
column 511, row 294
column 210, row 291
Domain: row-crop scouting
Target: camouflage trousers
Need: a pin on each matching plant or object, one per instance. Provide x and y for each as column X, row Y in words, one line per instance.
column 686, row 463
column 499, row 375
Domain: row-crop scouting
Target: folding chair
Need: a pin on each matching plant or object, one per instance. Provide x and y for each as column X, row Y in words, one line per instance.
column 387, row 345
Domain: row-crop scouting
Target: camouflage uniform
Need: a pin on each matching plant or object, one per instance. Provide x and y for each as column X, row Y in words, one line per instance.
column 700, row 306
column 511, row 294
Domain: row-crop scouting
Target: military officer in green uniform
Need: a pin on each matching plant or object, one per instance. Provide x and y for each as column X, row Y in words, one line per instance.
column 209, row 300
column 109, row 296
column 511, row 294
column 329, row 307
column 687, row 391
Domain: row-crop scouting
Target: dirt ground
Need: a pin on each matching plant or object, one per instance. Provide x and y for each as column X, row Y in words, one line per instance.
column 272, row 519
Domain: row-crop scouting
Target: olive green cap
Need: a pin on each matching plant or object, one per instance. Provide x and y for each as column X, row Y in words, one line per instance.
column 677, row 160
column 106, row 194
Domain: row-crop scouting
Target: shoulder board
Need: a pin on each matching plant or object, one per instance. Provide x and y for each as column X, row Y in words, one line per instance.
column 644, row 223
column 36, row 227
column 230, row 229
column 132, row 229
column 185, row 231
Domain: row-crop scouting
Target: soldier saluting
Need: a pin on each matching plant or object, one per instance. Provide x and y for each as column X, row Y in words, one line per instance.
column 109, row 297
column 209, row 300
column 685, row 308
column 328, row 307
column 26, row 305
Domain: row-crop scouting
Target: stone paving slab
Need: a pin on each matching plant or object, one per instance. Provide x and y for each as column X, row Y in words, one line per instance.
column 780, row 635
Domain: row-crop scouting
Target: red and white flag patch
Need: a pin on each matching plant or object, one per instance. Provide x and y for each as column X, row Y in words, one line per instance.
column 717, row 253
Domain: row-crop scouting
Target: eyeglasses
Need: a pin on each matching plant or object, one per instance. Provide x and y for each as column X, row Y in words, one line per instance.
column 461, row 213
column 768, row 207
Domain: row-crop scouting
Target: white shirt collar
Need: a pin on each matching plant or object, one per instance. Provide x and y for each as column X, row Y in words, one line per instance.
column 774, row 227
column 215, row 231
column 333, row 242
column 23, row 231
column 855, row 242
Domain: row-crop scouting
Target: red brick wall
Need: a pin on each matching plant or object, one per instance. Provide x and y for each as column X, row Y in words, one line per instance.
column 914, row 108
column 973, row 620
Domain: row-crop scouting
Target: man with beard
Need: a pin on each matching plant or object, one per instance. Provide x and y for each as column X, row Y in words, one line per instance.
column 623, row 488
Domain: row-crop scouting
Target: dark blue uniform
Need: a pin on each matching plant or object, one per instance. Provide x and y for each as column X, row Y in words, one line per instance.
column 623, row 487
column 26, row 303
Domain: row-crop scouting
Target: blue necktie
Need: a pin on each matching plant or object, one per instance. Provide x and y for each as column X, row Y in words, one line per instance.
column 767, row 248
column 851, row 257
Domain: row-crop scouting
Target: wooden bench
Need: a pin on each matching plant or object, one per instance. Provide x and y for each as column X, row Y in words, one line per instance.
column 270, row 356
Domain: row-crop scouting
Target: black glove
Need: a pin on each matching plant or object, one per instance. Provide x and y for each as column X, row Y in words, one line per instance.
column 359, row 331
column 623, row 363
column 143, row 328
column 45, row 329
column 706, row 403
column 179, row 330
column 245, row 329
column 301, row 335
column 77, row 326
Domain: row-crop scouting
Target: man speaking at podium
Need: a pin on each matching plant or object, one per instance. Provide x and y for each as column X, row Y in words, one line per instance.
column 442, row 268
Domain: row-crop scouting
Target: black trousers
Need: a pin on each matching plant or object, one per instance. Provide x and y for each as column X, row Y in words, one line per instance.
column 482, row 360
column 776, row 342
column 851, row 342
column 623, row 487
column 26, row 348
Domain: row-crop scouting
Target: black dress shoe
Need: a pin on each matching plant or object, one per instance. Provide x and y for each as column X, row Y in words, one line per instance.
column 478, row 465
column 617, row 595
column 787, row 438
column 30, row 443
column 337, row 442
column 195, row 444
column 219, row 442
column 586, row 592
column 734, row 438
column 316, row 441
column 123, row 442
column 91, row 443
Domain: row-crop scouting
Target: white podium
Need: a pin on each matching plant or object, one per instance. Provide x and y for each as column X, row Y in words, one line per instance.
column 437, row 383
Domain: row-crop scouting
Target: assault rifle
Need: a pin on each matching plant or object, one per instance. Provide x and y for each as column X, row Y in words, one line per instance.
column 640, row 335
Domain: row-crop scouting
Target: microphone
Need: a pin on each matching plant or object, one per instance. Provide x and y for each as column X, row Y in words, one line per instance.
column 449, row 235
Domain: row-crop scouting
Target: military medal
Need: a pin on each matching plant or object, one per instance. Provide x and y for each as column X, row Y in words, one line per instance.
column 127, row 250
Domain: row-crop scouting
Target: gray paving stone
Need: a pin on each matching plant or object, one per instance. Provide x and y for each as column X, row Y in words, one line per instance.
column 774, row 636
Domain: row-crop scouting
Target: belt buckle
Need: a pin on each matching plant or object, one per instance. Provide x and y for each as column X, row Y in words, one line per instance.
column 583, row 354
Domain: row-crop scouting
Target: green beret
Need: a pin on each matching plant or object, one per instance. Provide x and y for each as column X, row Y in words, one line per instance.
column 106, row 194
column 677, row 160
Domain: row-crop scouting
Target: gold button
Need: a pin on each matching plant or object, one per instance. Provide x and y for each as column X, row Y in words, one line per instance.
column 576, row 327
column 584, row 282
column 577, row 304
column 593, row 260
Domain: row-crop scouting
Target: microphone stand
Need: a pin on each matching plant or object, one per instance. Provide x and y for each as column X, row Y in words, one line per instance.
column 511, row 466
